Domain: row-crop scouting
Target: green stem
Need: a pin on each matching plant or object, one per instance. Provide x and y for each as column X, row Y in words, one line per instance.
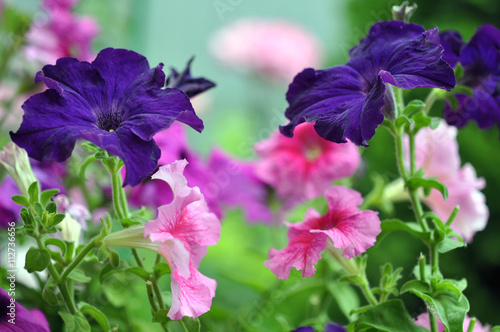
column 159, row 297
column 78, row 259
column 68, row 299
column 430, row 100
column 368, row 293
column 433, row 322
column 137, row 258
column 115, row 181
column 399, row 153
column 417, row 208
column 151, row 297
column 434, row 259
column 413, row 157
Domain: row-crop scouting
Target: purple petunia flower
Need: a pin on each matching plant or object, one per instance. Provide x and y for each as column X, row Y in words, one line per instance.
column 116, row 102
column 16, row 318
column 480, row 59
column 349, row 101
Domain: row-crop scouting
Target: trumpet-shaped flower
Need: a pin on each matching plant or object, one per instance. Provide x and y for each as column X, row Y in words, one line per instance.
column 117, row 102
column 423, row 320
column 344, row 224
column 306, row 164
column 182, row 232
column 350, row 101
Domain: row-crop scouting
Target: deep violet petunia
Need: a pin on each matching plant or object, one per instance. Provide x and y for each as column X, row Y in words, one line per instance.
column 303, row 166
column 328, row 328
column 191, row 86
column 480, row 59
column 116, row 102
column 344, row 225
column 23, row 319
column 349, row 101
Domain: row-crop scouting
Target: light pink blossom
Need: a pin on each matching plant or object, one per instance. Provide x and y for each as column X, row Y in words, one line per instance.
column 437, row 154
column 274, row 49
column 344, row 224
column 185, row 228
column 423, row 320
column 303, row 166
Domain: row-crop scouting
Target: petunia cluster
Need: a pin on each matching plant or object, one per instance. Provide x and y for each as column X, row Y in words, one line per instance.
column 351, row 100
column 343, row 226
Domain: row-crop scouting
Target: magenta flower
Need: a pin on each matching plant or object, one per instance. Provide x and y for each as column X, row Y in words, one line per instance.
column 63, row 35
column 272, row 49
column 303, row 166
column 344, row 226
column 351, row 100
column 116, row 102
column 437, row 154
column 25, row 320
column 185, row 228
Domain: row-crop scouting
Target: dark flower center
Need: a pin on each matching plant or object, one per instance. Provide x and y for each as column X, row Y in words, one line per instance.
column 109, row 121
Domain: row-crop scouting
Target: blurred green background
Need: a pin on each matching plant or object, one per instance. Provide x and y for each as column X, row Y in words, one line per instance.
column 241, row 108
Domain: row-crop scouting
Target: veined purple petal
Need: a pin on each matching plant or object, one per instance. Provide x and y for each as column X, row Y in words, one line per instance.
column 348, row 101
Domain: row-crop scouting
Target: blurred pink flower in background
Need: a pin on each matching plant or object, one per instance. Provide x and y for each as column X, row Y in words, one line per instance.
column 303, row 166
column 64, row 34
column 437, row 154
column 344, row 224
column 423, row 320
column 223, row 180
column 274, row 49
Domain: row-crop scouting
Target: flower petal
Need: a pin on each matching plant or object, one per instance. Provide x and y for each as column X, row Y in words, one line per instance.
column 191, row 297
column 339, row 100
column 302, row 252
column 183, row 81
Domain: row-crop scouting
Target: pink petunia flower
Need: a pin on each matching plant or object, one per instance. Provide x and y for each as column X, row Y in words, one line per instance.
column 423, row 320
column 437, row 154
column 62, row 35
column 303, row 166
column 181, row 233
column 273, row 49
column 344, row 226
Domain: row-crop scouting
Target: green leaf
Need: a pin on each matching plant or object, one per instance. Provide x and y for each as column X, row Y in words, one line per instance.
column 79, row 276
column 462, row 89
column 95, row 313
column 114, row 258
column 421, row 120
column 161, row 269
column 403, row 121
column 160, row 316
column 417, row 285
column 417, row 182
column 51, row 207
column 390, row 316
column 37, row 259
column 21, row 200
column 38, row 208
column 49, row 292
column 138, row 271
column 495, row 328
column 46, row 195
column 413, row 228
column 346, row 297
column 34, row 192
column 102, row 253
column 58, row 218
column 450, row 309
column 104, row 271
column 459, row 71
column 56, row 242
column 75, row 323
column 191, row 325
column 449, row 244
column 414, row 105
